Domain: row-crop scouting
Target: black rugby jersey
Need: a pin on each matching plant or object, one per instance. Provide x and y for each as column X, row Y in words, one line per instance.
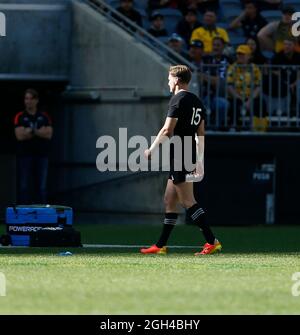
column 190, row 111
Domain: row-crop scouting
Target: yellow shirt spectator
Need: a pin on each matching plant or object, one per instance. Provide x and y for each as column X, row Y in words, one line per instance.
column 243, row 77
column 207, row 36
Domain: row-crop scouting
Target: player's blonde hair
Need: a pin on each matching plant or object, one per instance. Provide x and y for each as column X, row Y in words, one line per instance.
column 182, row 72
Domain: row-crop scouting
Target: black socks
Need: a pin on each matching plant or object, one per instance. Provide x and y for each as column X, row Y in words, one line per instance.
column 197, row 215
column 169, row 224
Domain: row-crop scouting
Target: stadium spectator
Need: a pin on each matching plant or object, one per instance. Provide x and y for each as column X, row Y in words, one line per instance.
column 218, row 58
column 33, row 130
column 209, row 31
column 283, row 76
column 215, row 81
column 157, row 28
column 256, row 55
column 196, row 53
column 187, row 24
column 244, row 80
column 271, row 36
column 176, row 43
column 250, row 20
column 126, row 9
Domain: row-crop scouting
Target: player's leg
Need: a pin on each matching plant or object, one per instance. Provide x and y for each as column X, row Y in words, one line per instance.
column 197, row 215
column 171, row 213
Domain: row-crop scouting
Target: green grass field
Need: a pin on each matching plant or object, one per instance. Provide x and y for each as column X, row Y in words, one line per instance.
column 253, row 274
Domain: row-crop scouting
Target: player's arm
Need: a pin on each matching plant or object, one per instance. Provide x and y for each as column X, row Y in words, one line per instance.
column 23, row 133
column 200, row 142
column 165, row 132
column 200, row 135
column 45, row 132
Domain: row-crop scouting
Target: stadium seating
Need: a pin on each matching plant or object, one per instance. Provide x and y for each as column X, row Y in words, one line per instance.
column 268, row 54
column 141, row 4
column 163, row 39
column 271, row 15
column 223, row 25
column 229, row 5
column 236, row 40
column 113, row 3
column 293, row 3
column 231, row 13
column 144, row 15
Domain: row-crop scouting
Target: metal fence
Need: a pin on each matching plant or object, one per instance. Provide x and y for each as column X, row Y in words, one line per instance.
column 251, row 97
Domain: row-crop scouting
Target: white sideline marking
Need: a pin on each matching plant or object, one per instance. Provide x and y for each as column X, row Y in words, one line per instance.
column 103, row 246
column 110, row 246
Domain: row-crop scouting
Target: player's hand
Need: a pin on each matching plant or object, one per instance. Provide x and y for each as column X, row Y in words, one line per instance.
column 199, row 171
column 147, row 154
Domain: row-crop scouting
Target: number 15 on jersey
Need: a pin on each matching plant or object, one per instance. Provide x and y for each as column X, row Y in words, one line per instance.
column 196, row 118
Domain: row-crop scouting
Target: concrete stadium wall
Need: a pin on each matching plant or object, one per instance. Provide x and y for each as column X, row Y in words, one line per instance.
column 103, row 55
column 37, row 41
column 77, row 179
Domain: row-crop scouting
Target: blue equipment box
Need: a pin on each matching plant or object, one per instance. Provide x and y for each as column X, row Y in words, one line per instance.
column 22, row 221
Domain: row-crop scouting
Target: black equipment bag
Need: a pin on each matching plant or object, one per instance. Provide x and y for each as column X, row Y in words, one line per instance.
column 56, row 237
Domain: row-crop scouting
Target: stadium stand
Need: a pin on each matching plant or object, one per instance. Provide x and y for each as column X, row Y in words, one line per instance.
column 231, row 5
column 271, row 15
column 171, row 17
column 230, row 10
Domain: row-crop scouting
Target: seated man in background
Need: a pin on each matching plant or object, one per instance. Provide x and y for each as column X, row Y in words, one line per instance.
column 286, row 77
column 271, row 36
column 196, row 53
column 33, row 130
column 244, row 88
column 187, row 25
column 250, row 20
column 256, row 55
column 209, row 31
column 126, row 9
column 214, row 79
column 157, row 28
column 176, row 43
